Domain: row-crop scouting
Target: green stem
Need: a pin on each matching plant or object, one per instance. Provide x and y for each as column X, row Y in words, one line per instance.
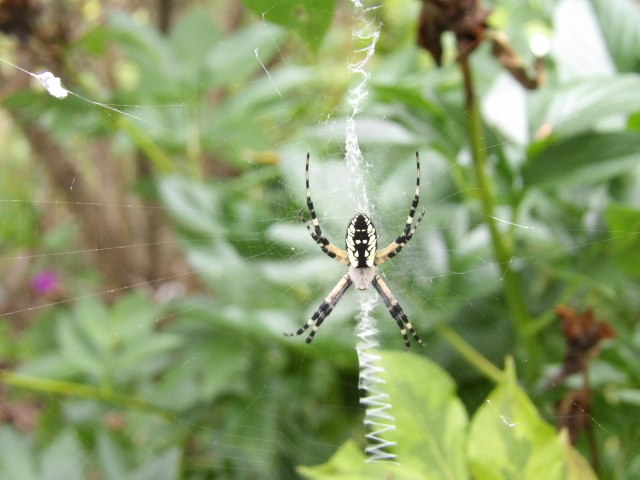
column 502, row 245
column 475, row 358
column 155, row 154
column 61, row 387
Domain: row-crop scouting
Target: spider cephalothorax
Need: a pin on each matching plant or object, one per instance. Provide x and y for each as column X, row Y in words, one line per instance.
column 362, row 256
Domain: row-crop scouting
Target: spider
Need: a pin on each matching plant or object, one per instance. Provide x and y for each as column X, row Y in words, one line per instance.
column 362, row 256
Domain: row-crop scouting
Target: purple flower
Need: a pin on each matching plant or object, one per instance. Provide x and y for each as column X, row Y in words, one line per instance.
column 45, row 282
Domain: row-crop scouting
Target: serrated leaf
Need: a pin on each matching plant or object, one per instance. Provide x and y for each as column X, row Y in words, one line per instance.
column 430, row 425
column 586, row 157
column 133, row 316
column 310, row 19
column 509, row 440
column 430, row 420
column 76, row 347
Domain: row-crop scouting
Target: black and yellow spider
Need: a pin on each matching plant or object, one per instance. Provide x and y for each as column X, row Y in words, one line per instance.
column 362, row 256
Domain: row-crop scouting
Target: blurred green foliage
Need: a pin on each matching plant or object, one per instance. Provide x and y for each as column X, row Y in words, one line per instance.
column 176, row 367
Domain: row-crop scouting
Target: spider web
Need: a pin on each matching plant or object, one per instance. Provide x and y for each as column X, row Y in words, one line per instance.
column 53, row 294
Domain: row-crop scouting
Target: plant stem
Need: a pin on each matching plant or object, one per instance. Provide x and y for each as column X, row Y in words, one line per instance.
column 474, row 357
column 61, row 387
column 502, row 245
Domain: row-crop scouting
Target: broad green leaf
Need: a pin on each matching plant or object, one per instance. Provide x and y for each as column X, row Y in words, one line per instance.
column 578, row 48
column 350, row 463
column 509, row 441
column 430, row 424
column 586, row 157
column 310, row 19
column 577, row 466
column 589, row 102
column 624, row 225
column 619, row 22
column 430, row 420
column 64, row 458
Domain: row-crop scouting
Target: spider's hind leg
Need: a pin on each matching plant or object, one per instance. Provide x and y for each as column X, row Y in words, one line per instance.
column 395, row 310
column 323, row 311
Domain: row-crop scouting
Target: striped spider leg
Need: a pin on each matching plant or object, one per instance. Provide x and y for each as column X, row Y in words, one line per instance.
column 398, row 244
column 362, row 256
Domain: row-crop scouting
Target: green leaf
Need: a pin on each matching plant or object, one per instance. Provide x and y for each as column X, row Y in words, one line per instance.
column 146, row 48
column 349, row 463
column 586, row 157
column 163, row 467
column 64, row 458
column 624, row 225
column 430, row 423
column 582, row 104
column 509, row 440
column 310, row 19
column 235, row 59
column 620, row 25
column 111, row 457
column 83, row 336
column 15, row 456
column 196, row 206
column 430, row 420
column 192, row 39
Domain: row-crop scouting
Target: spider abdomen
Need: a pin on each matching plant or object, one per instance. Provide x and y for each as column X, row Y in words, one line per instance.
column 361, row 242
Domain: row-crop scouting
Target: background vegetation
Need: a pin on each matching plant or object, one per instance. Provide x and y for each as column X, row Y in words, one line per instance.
column 152, row 255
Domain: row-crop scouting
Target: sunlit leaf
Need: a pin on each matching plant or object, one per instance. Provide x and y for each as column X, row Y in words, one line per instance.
column 430, row 420
column 592, row 102
column 509, row 440
column 430, row 426
column 619, row 21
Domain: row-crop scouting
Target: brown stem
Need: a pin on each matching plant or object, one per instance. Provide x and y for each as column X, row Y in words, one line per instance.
column 593, row 447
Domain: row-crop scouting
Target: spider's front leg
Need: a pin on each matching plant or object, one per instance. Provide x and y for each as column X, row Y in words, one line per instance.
column 323, row 311
column 409, row 228
column 313, row 226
